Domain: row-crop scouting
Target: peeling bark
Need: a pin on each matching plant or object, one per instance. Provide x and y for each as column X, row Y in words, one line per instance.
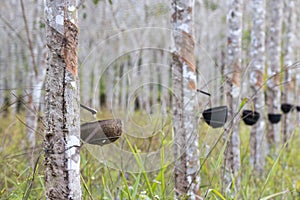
column 233, row 73
column 187, row 179
column 62, row 134
column 257, row 68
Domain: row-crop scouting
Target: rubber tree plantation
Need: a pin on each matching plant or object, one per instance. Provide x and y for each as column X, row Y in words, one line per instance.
column 179, row 99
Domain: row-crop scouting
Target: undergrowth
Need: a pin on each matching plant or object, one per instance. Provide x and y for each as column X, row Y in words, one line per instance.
column 22, row 179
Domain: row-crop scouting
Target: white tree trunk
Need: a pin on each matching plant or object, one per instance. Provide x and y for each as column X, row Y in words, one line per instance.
column 297, row 91
column 165, row 82
column 36, row 75
column 187, row 179
column 2, row 82
column 289, row 83
column 232, row 161
column 109, row 85
column 297, row 55
column 85, row 76
column 273, row 85
column 257, row 70
column 62, row 133
column 124, row 86
column 154, row 84
column 13, row 74
column 145, row 80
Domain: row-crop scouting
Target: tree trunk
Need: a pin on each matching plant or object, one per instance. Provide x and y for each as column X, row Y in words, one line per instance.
column 165, row 83
column 4, row 95
column 297, row 55
column 145, row 77
column 37, row 72
column 288, row 91
column 187, row 179
column 109, row 86
column 86, row 72
column 154, row 86
column 62, row 134
column 12, row 74
column 233, row 88
column 257, row 69
column 124, row 86
column 3, row 70
column 273, row 85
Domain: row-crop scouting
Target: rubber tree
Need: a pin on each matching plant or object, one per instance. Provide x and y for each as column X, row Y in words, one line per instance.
column 297, row 70
column 257, row 70
column 184, row 82
column 62, row 132
column 36, row 75
column 232, row 71
column 274, row 53
column 287, row 95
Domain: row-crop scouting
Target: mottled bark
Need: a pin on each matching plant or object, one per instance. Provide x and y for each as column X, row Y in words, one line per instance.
column 288, row 123
column 257, row 69
column 62, row 133
column 233, row 88
column 273, row 85
column 187, row 179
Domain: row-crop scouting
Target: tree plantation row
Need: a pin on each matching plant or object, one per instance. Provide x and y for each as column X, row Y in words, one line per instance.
column 144, row 99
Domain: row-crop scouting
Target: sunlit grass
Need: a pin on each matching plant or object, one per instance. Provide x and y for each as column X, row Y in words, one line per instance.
column 279, row 180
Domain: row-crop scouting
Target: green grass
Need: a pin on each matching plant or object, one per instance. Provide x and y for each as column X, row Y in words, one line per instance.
column 18, row 180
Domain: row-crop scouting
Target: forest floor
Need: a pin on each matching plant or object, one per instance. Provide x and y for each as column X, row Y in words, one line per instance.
column 22, row 174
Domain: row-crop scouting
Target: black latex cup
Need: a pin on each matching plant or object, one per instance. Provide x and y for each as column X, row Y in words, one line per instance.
column 286, row 107
column 298, row 108
column 215, row 117
column 250, row 117
column 274, row 118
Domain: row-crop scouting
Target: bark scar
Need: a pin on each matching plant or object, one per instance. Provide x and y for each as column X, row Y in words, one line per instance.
column 187, row 53
column 70, row 43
